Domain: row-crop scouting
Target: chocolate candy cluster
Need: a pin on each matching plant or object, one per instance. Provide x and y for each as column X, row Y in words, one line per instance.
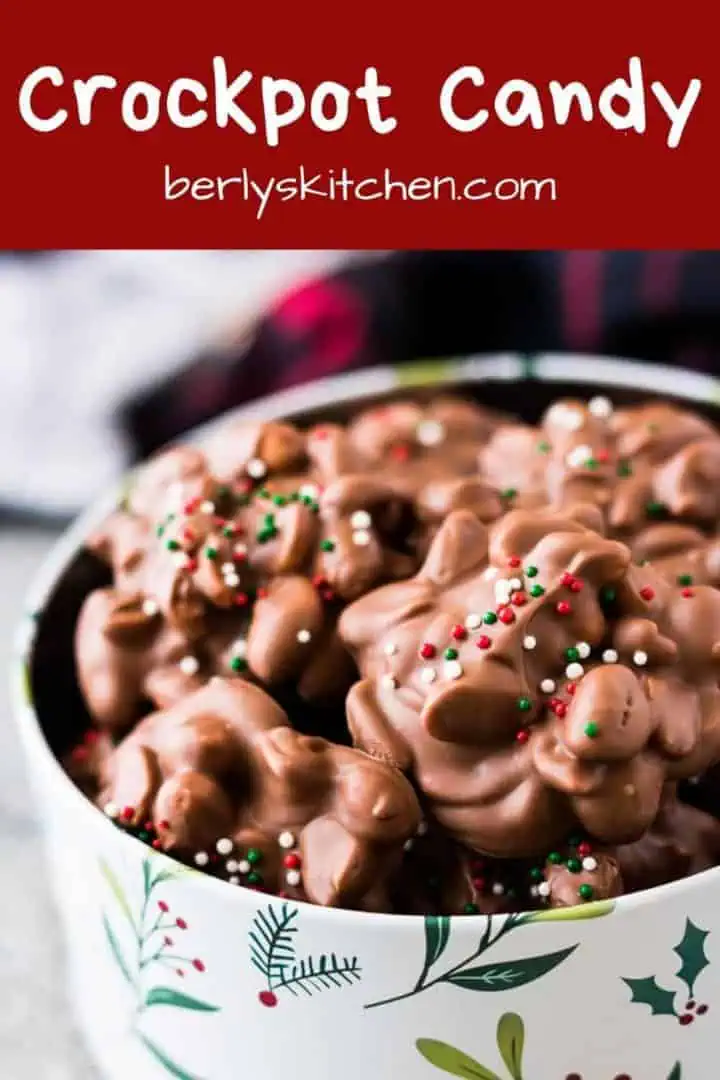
column 433, row 660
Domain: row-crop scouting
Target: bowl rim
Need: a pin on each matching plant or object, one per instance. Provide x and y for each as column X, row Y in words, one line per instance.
column 441, row 375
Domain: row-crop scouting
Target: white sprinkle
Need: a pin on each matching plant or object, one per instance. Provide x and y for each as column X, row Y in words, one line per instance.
column 182, row 559
column 234, row 880
column 430, row 433
column 601, row 407
column 578, row 456
column 575, row 671
column 640, row 658
column 390, row 649
column 189, row 665
column 232, row 866
column 610, row 656
column 286, row 840
column 502, row 591
column 232, row 581
column 303, row 636
column 629, row 789
column 361, row 519
column 244, row 866
column 207, row 507
column 566, row 416
column 421, row 829
column 111, row 809
column 453, row 669
column 150, row 607
column 584, row 649
column 428, row 675
column 228, row 568
column 361, row 538
column 534, row 890
column 409, row 845
column 256, row 468
column 498, row 889
column 201, row 858
column 239, row 647
column 310, row 490
column 543, row 889
column 490, row 572
column 240, row 549
column 473, row 621
column 224, row 845
column 515, row 584
column 548, row 686
column 589, row 863
column 529, row 643
column 389, row 682
column 293, row 878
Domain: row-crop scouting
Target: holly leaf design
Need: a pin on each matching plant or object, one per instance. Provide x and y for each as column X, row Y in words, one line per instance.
column 453, row 1061
column 691, row 951
column 648, row 992
column 164, row 995
column 511, row 1043
column 437, row 935
column 508, row 974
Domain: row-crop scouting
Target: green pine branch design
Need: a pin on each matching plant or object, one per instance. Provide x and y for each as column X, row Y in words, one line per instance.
column 273, row 954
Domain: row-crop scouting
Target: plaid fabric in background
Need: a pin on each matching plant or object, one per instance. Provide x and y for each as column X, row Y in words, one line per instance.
column 662, row 306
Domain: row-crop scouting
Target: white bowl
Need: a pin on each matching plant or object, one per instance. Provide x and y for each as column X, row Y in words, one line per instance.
column 284, row 990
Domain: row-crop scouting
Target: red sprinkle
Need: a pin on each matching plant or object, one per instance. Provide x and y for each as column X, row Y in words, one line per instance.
column 128, row 813
column 522, row 736
column 514, row 561
column 647, row 593
column 327, row 594
column 163, row 825
column 191, row 564
column 687, row 592
column 191, row 506
column 560, row 709
column 261, row 593
column 291, row 861
column 506, row 615
column 519, row 598
column 571, row 688
column 479, row 884
column 188, row 535
column 427, row 651
column 567, row 578
column 79, row 754
column 400, row 452
column 584, row 849
column 241, row 599
column 90, row 737
column 459, row 632
column 157, row 844
column 562, row 607
column 319, row 582
column 602, row 456
column 576, row 585
column 483, row 642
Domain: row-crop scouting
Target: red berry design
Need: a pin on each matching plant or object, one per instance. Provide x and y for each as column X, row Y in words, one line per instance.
column 180, row 972
column 268, row 999
column 168, row 941
column 181, row 924
column 685, row 1019
column 198, row 965
column 163, row 906
column 690, row 1005
column 702, row 1009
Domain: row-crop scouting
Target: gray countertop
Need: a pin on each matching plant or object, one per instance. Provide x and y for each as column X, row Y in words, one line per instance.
column 38, row 1040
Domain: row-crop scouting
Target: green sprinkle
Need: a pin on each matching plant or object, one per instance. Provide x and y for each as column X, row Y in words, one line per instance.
column 608, row 595
column 471, row 909
column 592, row 730
column 524, row 704
column 254, row 856
column 536, row 874
column 315, row 507
column 544, row 447
column 327, row 545
column 294, row 497
column 254, row 879
column 451, row 654
column 211, row 553
column 306, row 499
column 655, row 509
column 160, row 530
column 555, row 858
column 537, row 590
column 172, row 545
column 572, row 653
column 489, row 618
column 508, row 493
column 279, row 500
column 223, row 491
column 592, row 463
column 624, row 468
column 264, row 493
column 574, row 840
column 586, row 892
column 269, row 520
column 531, row 571
column 574, row 866
column 143, row 835
column 266, row 533
column 238, row 663
column 228, row 530
column 685, row 579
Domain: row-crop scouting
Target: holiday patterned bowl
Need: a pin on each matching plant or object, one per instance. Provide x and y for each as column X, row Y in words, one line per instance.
column 176, row 974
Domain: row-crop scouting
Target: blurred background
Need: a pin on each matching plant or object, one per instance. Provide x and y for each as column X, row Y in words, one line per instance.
column 106, row 355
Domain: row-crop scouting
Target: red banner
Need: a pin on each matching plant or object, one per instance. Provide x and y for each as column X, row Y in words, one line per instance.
column 384, row 125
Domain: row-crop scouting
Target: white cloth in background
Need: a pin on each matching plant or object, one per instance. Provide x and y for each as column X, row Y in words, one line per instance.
column 80, row 331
